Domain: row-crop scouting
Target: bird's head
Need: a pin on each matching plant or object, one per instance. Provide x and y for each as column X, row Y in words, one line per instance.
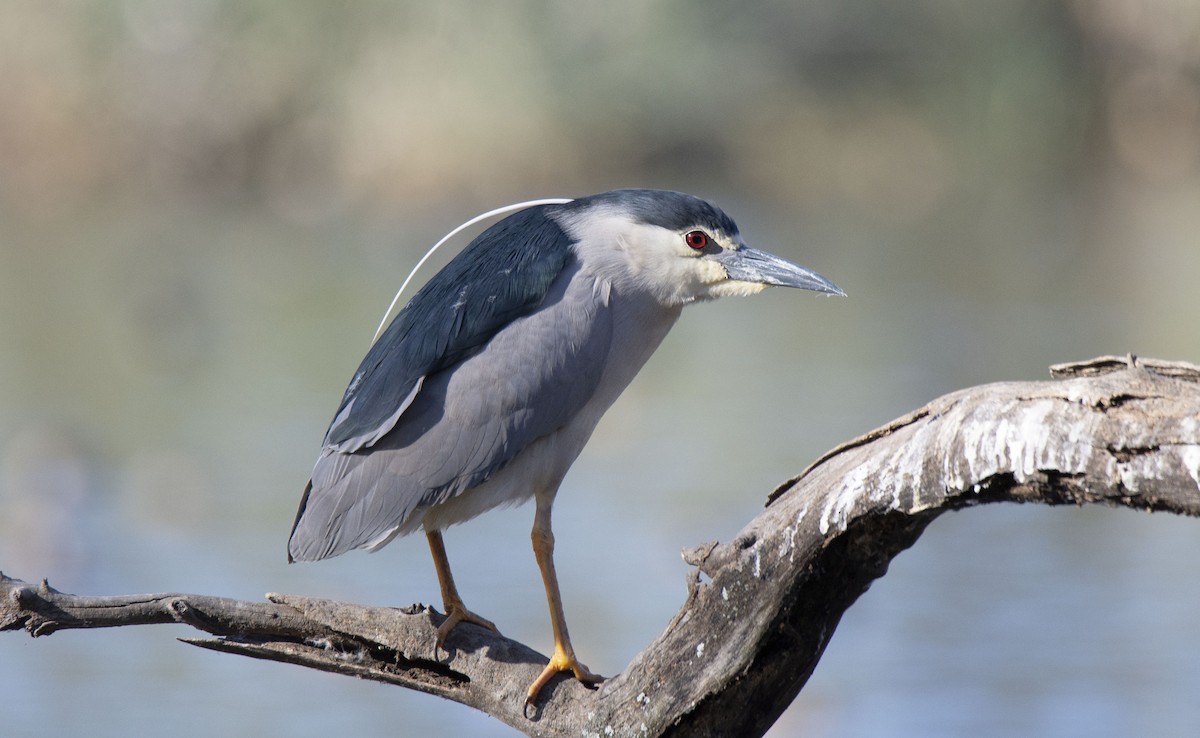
column 675, row 246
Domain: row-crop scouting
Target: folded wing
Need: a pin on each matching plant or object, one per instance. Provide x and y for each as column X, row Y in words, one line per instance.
column 415, row 427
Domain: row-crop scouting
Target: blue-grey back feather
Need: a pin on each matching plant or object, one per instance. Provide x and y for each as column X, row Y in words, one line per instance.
column 497, row 278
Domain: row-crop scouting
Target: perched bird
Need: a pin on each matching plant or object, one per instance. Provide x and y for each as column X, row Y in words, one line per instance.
column 487, row 384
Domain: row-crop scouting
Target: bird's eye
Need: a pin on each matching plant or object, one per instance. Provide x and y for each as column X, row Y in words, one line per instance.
column 696, row 239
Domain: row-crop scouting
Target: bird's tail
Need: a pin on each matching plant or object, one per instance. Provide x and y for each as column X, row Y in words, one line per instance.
column 299, row 514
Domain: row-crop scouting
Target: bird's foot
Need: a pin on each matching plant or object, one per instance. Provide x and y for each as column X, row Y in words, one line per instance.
column 456, row 613
column 561, row 661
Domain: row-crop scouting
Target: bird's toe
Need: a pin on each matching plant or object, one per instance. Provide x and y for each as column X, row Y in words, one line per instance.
column 561, row 662
column 456, row 614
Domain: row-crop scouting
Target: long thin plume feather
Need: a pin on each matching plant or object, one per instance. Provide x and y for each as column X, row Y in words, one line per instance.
column 484, row 216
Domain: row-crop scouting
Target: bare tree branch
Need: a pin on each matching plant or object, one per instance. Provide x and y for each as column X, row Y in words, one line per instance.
column 762, row 607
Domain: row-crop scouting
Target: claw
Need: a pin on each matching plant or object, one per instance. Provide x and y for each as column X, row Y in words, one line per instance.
column 560, row 662
column 455, row 614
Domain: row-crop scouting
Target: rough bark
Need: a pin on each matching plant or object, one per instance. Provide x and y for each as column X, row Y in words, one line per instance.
column 762, row 607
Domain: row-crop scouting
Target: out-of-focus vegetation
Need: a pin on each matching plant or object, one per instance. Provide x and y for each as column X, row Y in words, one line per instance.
column 905, row 111
column 204, row 207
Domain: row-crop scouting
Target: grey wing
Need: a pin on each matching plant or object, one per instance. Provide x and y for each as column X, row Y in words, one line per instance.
column 467, row 422
column 501, row 275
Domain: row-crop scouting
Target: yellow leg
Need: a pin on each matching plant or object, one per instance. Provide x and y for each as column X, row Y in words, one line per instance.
column 564, row 655
column 456, row 611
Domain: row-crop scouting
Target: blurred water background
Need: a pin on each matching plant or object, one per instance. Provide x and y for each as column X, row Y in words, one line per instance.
column 206, row 206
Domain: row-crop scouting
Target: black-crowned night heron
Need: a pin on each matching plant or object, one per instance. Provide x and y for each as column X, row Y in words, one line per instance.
column 487, row 384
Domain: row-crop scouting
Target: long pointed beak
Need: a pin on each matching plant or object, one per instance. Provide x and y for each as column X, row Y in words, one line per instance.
column 751, row 265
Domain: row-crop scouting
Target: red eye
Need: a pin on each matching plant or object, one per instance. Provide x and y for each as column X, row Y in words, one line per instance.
column 696, row 239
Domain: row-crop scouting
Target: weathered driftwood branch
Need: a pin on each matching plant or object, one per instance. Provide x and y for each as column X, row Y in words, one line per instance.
column 763, row 606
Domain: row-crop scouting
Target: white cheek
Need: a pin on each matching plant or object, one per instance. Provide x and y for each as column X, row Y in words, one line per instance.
column 709, row 272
